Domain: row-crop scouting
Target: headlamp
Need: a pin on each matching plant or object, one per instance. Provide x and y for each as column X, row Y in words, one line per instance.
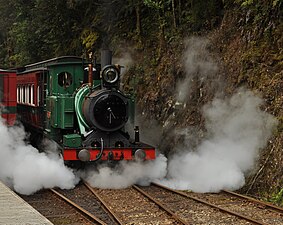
column 110, row 75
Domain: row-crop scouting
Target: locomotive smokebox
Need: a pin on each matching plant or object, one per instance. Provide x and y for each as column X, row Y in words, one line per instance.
column 106, row 110
column 106, row 57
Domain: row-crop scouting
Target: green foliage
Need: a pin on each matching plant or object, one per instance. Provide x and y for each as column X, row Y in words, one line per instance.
column 156, row 4
column 39, row 29
column 153, row 4
column 89, row 39
column 275, row 2
column 245, row 2
column 277, row 197
column 22, row 41
column 206, row 14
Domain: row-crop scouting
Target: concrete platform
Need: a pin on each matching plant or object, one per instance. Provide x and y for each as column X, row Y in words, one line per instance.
column 15, row 211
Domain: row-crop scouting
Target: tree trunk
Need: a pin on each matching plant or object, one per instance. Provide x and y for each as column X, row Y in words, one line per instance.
column 174, row 14
column 138, row 22
column 179, row 11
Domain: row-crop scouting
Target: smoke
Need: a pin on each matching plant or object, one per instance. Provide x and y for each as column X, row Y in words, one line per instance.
column 236, row 131
column 127, row 174
column 124, row 60
column 26, row 170
column 199, row 67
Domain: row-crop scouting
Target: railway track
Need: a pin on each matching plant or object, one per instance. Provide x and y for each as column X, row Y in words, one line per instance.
column 82, row 199
column 235, row 208
column 133, row 206
column 154, row 204
column 87, row 205
column 58, row 210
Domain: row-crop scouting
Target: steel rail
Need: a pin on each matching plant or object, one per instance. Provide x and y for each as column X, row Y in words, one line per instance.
column 82, row 210
column 268, row 205
column 211, row 205
column 175, row 216
column 103, row 203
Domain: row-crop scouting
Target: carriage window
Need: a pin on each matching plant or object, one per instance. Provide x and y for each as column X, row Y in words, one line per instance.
column 64, row 79
column 38, row 95
column 24, row 94
column 18, row 94
column 31, row 94
column 27, row 94
column 21, row 94
column 22, row 91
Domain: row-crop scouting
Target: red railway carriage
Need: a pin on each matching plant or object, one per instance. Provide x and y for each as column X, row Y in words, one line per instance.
column 31, row 97
column 8, row 96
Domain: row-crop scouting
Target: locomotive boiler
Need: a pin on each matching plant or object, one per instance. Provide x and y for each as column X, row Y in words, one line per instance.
column 79, row 105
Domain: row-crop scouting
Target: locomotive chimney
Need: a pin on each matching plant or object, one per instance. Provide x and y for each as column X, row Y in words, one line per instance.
column 106, row 57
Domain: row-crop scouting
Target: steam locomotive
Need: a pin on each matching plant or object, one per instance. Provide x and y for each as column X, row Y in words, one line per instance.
column 76, row 103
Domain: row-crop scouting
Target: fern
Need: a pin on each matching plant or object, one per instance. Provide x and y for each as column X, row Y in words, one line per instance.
column 245, row 2
column 278, row 198
column 275, row 2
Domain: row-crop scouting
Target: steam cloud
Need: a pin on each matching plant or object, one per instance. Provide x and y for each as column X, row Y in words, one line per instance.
column 124, row 60
column 127, row 174
column 26, row 170
column 199, row 65
column 236, row 131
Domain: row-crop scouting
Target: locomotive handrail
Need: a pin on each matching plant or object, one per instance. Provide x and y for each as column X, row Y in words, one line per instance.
column 101, row 150
column 78, row 102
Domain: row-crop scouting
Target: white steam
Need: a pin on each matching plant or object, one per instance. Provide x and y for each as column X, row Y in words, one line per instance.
column 199, row 65
column 124, row 60
column 237, row 130
column 127, row 174
column 25, row 169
